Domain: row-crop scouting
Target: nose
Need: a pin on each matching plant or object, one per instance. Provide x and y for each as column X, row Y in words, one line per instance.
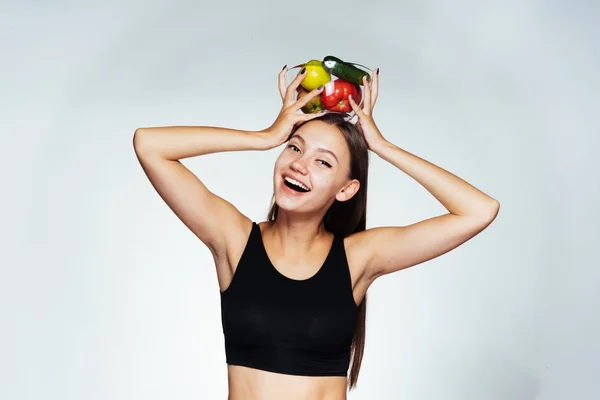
column 299, row 166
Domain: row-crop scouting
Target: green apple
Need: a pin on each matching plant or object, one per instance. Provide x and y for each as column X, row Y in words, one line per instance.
column 313, row 106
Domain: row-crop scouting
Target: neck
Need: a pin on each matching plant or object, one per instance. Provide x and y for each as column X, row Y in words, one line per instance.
column 297, row 233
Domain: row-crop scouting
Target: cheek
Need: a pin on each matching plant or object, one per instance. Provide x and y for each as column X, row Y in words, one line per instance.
column 334, row 181
column 280, row 162
column 325, row 180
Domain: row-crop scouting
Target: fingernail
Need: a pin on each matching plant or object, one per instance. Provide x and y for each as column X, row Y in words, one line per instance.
column 284, row 67
column 323, row 111
column 302, row 70
column 320, row 87
column 377, row 70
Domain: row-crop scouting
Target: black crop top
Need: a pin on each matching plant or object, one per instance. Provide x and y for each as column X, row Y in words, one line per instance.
column 279, row 324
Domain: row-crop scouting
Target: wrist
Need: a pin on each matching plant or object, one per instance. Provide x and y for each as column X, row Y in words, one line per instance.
column 381, row 146
column 266, row 140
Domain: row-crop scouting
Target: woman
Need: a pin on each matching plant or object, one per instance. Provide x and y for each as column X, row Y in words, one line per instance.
column 293, row 288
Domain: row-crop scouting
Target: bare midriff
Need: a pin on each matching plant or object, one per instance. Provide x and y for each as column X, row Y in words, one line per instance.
column 253, row 384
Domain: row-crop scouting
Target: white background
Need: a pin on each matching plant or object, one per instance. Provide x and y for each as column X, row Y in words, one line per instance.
column 106, row 295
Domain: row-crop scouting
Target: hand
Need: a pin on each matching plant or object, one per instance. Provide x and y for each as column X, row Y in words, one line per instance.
column 288, row 117
column 366, row 123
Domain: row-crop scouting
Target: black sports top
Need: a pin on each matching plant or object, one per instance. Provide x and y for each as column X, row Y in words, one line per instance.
column 279, row 324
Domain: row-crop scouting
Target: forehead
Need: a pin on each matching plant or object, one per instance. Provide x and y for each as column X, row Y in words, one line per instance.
column 319, row 134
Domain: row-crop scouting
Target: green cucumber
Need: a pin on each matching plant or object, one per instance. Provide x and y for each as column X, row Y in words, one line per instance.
column 345, row 70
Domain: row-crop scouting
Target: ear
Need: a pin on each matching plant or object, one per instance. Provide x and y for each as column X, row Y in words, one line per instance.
column 348, row 191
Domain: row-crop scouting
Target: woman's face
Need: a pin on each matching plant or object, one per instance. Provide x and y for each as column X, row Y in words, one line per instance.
column 313, row 169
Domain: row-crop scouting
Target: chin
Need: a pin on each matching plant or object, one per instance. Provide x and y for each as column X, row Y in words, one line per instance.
column 297, row 205
column 286, row 202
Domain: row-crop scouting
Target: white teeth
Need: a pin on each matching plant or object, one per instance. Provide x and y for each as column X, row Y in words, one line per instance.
column 295, row 182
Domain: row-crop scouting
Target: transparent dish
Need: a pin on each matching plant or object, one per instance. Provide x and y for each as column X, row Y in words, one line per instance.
column 340, row 79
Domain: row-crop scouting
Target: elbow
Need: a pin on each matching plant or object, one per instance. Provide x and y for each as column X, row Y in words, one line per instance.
column 492, row 212
column 486, row 214
column 140, row 141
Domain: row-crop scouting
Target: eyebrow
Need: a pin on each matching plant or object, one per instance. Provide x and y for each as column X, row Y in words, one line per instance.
column 321, row 149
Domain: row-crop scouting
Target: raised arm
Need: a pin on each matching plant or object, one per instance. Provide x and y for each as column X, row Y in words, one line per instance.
column 384, row 250
column 203, row 212
column 160, row 149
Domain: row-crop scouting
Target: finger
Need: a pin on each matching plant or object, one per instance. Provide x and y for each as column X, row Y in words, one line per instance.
column 307, row 97
column 366, row 106
column 374, row 88
column 291, row 89
column 306, row 117
column 355, row 107
column 282, row 89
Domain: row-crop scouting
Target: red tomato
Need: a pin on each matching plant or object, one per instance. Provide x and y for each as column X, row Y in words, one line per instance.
column 335, row 95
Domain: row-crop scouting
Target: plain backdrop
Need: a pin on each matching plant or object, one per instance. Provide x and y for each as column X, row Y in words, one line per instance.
column 106, row 295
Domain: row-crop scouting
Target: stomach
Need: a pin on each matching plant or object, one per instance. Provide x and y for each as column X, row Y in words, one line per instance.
column 253, row 384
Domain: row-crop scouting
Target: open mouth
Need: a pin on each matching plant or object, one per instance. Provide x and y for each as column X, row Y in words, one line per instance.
column 295, row 185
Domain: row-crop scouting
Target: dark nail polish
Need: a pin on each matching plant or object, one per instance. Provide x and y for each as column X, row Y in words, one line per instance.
column 377, row 70
column 320, row 87
column 323, row 111
column 303, row 70
column 284, row 67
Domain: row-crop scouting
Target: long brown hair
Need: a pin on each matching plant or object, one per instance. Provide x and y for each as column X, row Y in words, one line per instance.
column 347, row 217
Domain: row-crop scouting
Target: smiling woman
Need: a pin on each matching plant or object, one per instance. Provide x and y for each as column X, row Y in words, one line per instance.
column 294, row 287
column 318, row 160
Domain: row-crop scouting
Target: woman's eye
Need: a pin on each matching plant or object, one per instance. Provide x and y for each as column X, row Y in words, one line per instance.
column 325, row 163
column 294, row 148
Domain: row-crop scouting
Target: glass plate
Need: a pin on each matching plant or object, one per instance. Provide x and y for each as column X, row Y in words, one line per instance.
column 318, row 75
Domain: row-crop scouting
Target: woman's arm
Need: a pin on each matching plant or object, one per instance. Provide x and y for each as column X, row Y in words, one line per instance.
column 212, row 219
column 457, row 196
column 179, row 142
column 203, row 212
column 385, row 250
column 470, row 211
